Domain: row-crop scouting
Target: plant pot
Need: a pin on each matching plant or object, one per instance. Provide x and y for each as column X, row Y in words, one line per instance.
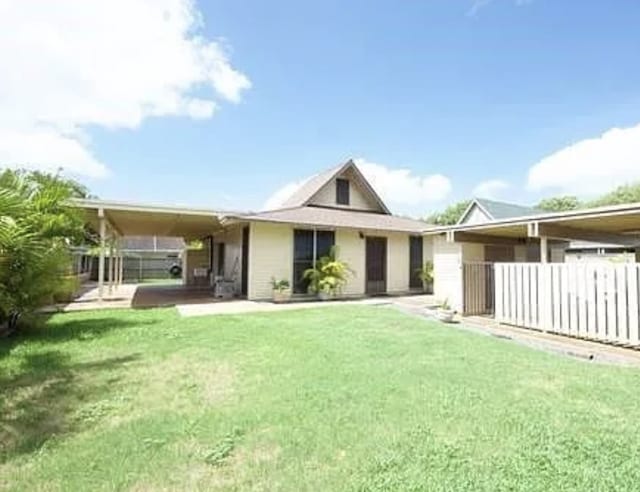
column 445, row 315
column 324, row 296
column 281, row 295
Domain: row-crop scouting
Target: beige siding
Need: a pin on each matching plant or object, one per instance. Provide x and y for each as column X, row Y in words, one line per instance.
column 447, row 270
column 359, row 197
column 351, row 249
column 427, row 249
column 397, row 263
column 270, row 255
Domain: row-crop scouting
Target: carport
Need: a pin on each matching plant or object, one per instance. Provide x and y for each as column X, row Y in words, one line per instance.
column 594, row 300
column 113, row 220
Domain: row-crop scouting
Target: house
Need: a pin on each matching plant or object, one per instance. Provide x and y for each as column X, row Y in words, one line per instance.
column 337, row 207
column 499, row 260
column 484, row 211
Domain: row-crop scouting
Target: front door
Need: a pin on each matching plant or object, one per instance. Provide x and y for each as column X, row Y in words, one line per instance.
column 244, row 282
column 376, row 265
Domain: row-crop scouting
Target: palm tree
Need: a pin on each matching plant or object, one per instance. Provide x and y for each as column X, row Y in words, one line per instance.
column 36, row 229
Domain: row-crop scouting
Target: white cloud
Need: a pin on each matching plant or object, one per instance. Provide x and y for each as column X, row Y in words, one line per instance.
column 72, row 64
column 591, row 166
column 491, row 188
column 399, row 188
column 402, row 186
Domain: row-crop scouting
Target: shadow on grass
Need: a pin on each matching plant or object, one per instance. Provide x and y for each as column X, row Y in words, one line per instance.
column 41, row 401
column 44, row 330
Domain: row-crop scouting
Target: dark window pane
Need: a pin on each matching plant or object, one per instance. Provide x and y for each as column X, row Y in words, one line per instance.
column 302, row 259
column 415, row 261
column 342, row 191
column 325, row 241
column 302, row 245
column 300, row 284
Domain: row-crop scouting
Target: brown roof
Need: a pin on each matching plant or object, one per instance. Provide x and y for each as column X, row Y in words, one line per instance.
column 303, row 195
column 329, row 217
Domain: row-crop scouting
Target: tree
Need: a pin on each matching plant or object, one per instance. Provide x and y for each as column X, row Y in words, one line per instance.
column 628, row 193
column 37, row 227
column 450, row 215
column 559, row 203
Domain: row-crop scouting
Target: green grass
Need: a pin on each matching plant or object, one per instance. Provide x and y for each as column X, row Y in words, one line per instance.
column 344, row 398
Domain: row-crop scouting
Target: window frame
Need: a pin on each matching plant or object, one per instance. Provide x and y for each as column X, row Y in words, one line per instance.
column 343, row 195
column 314, row 255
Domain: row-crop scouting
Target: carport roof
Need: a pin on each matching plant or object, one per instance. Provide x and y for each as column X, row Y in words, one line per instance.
column 129, row 219
column 609, row 222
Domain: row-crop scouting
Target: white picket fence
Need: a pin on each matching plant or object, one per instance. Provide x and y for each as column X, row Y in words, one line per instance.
column 597, row 301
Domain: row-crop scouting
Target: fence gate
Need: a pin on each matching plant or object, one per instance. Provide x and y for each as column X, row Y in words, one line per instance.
column 477, row 288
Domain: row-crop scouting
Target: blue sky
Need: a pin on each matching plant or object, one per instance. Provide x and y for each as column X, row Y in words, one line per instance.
column 515, row 99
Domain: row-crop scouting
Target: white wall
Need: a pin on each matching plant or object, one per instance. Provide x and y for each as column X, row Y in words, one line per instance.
column 351, row 249
column 447, row 271
column 397, row 263
column 270, row 256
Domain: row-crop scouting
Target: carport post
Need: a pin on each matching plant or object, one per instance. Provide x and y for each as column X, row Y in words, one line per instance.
column 111, row 270
column 103, row 227
column 544, row 249
column 121, row 270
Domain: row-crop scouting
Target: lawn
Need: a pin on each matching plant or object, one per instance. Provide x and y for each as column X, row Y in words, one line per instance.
column 344, row 398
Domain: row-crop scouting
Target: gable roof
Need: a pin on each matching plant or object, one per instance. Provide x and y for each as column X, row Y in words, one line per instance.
column 310, row 188
column 496, row 210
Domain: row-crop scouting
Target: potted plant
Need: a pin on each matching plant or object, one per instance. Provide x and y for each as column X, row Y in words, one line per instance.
column 281, row 290
column 426, row 275
column 328, row 276
column 444, row 312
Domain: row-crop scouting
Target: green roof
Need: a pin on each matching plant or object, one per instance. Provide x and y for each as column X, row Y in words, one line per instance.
column 504, row 210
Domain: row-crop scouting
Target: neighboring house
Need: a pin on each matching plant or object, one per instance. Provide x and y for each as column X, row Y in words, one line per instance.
column 484, row 211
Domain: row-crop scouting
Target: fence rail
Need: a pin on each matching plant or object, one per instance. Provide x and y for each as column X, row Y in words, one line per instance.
column 587, row 300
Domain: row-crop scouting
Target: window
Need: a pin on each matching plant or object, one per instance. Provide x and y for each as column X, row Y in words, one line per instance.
column 415, row 261
column 342, row 191
column 308, row 246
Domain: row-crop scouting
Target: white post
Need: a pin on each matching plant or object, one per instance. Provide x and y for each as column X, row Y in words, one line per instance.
column 544, row 250
column 121, row 273
column 101, row 258
column 111, row 269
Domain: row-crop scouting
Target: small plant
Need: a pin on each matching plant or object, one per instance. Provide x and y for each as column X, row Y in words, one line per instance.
column 329, row 275
column 445, row 305
column 426, row 274
column 280, row 285
column 281, row 290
